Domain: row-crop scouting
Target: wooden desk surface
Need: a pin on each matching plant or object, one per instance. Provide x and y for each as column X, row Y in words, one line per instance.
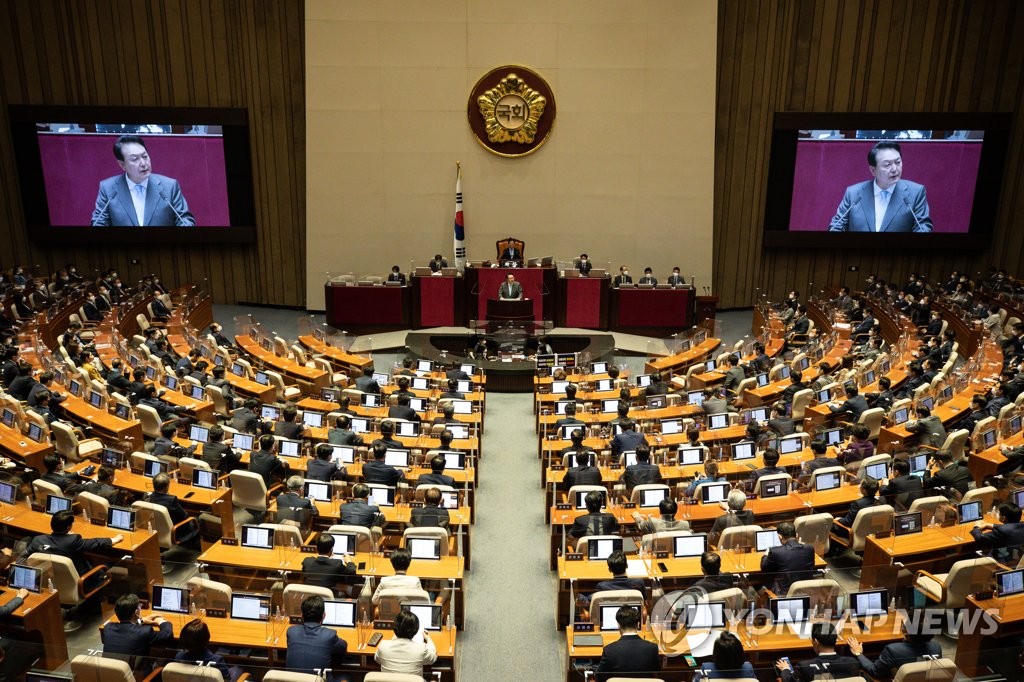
column 317, row 377
column 40, row 616
column 399, row 513
column 637, row 414
column 21, row 448
column 687, row 567
column 694, row 354
column 335, row 353
column 381, row 412
column 552, row 445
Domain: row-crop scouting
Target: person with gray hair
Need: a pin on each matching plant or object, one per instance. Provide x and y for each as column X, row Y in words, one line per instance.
column 291, row 505
column 735, row 515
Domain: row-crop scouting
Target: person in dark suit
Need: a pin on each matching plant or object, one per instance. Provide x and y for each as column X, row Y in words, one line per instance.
column 403, row 410
column 657, row 385
column 853, row 406
column 594, row 522
column 64, row 543
column 648, row 277
column 376, row 471
column 675, row 279
column 865, row 325
column 617, row 565
column 511, row 252
column 888, row 203
column 396, row 275
column 195, row 638
column 342, row 433
column 642, row 472
column 102, row 487
column 139, row 197
column 1004, row 539
column 431, row 514
column 825, row 661
column 166, row 411
column 217, row 332
column 713, row 579
column 265, row 463
column 801, row 323
column 510, row 289
column 868, row 498
column 311, row 646
column 728, row 660
column 796, row 383
column 217, row 454
column 569, row 419
column 628, row 440
column 22, row 384
column 628, row 654
column 323, row 570
column 322, row 468
column 622, row 278
column 584, row 265
column 92, row 312
column 819, row 449
column 366, row 383
column 584, row 473
column 789, row 562
column 914, row 647
column 736, row 513
column 436, row 475
column 771, row 467
column 187, row 534
column 359, row 512
column 287, row 427
column 387, row 437
column 902, row 488
column 291, row 505
column 438, row 263
column 246, row 418
column 69, row 483
column 453, row 391
column 117, row 378
column 949, row 475
column 132, row 635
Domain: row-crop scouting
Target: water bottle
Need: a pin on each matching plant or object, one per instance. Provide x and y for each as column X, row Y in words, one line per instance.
column 49, row 585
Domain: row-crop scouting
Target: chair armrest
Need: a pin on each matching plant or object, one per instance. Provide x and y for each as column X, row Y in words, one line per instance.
column 178, row 526
column 942, row 585
column 274, row 489
column 837, row 522
column 244, row 677
column 309, row 538
column 92, row 572
column 927, row 447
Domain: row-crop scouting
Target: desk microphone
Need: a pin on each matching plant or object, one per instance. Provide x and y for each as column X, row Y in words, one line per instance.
column 842, row 216
column 167, row 201
column 110, row 197
column 920, row 227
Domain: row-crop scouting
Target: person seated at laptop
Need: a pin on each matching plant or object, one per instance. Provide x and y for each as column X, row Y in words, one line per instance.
column 665, row 521
column 629, row 654
column 312, row 647
column 195, row 638
column 376, row 471
column 63, row 542
column 771, row 467
column 366, row 383
column 856, row 448
column 584, row 473
column 853, row 406
column 714, row 403
column 287, row 427
column 400, row 560
column 359, row 511
column 342, row 433
column 166, row 411
column 453, row 391
column 914, row 647
column 951, row 478
column 322, row 467
column 409, row 650
column 447, row 415
column 1003, row 539
column 825, row 662
column 387, row 436
column 657, row 386
column 728, row 660
column 734, row 375
column 788, row 562
column 576, row 445
column 292, row 506
column 186, row 535
column 431, row 514
column 323, row 570
column 69, row 483
column 396, row 275
column 648, row 277
column 796, row 384
column 403, row 410
column 779, row 422
column 133, row 635
column 619, row 581
column 436, row 475
column 977, row 413
column 903, row 488
column 218, row 454
column 102, row 487
column 820, row 451
column 594, row 522
column 710, row 476
column 643, row 472
column 714, row 580
column 628, row 440
column 884, row 398
column 868, row 498
column 438, row 263
column 623, row 414
column 735, row 514
column 266, row 463
column 246, row 418
column 568, row 420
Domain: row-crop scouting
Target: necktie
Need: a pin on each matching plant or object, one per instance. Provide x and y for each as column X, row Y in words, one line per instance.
column 140, row 202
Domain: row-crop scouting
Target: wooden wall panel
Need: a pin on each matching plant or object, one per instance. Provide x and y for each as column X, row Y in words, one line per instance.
column 854, row 55
column 203, row 53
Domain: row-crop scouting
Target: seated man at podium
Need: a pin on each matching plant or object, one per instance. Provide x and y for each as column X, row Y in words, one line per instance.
column 510, row 289
column 438, row 263
column 511, row 252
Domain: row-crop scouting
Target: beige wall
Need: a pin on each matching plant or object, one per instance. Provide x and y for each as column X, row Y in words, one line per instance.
column 627, row 173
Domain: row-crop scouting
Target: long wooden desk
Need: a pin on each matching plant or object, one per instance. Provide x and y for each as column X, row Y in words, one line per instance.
column 39, row 621
column 20, row 448
column 671, row 363
column 343, row 360
column 975, row 645
column 308, row 378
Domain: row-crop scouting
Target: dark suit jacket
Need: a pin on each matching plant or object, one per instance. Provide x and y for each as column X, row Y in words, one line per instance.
column 852, row 406
column 435, row 479
column 587, row 475
column 324, row 470
column 515, row 290
column 379, row 472
column 626, row 441
column 896, row 654
column 133, row 639
column 584, row 268
column 790, row 391
column 837, row 665
column 621, row 583
column 902, row 491
column 359, row 513
column 430, row 517
column 294, row 507
column 324, row 571
column 403, row 412
column 397, row 277
column 71, row 546
column 594, row 524
column 221, row 458
column 787, row 564
column 628, row 654
column 244, row 420
column 638, row 474
column 801, row 325
column 856, row 506
column 311, row 646
column 266, row 464
column 956, row 476
column 114, row 204
column 619, row 280
column 1002, row 535
column 907, row 200
column 367, row 384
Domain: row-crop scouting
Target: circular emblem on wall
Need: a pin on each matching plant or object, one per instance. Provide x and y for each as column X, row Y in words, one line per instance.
column 511, row 111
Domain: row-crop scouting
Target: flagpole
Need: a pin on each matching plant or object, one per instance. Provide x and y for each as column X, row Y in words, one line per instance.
column 459, row 242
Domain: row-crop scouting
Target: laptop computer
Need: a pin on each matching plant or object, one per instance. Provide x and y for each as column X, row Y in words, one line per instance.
column 198, row 433
column 256, row 537
column 205, row 478
column 714, row 492
column 766, row 539
column 121, row 518
column 250, row 606
column 424, row 548
column 689, row 545
column 907, row 523
column 869, row 603
column 340, row 613
column 652, row 497
column 170, row 599
column 1010, row 582
column 25, row 577
column 743, row 450
column 598, row 550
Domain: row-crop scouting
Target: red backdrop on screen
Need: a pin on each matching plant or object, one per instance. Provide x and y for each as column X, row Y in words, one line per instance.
column 825, row 168
column 74, row 165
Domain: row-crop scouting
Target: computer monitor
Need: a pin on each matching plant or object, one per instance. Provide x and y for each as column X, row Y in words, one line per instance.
column 1010, row 582
column 407, row 429
column 418, row 404
column 581, row 498
column 24, row 577
column 988, row 438
column 785, row 372
column 462, row 406
column 396, row 458
column 424, row 366
column 122, row 411
column 237, row 369
column 329, row 395
column 709, row 366
column 714, row 492
column 318, row 490
column 609, row 406
column 776, row 487
column 755, row 414
column 704, row 615
column 695, row 398
column 243, row 441
column 382, row 496
column 150, row 372
column 313, row 420
column 718, row 421
column 171, row 382
column 360, row 424
column 343, row 454
column 762, row 380
column 869, row 603
column 689, row 545
column 289, row 448
column 907, row 523
column 927, row 401
column 1018, row 497
column 969, row 512
column 75, row 387
column 629, row 457
column 8, row 493
column 340, row 613
column 598, row 550
column 790, row 444
column 96, row 399
column 262, row 378
column 450, row 499
column 643, row 380
column 112, row 458
column 605, row 385
column 608, row 612
column 833, row 436
column 877, row 471
column 766, row 539
column 453, row 459
column 424, row 548
column 56, row 503
column 381, row 378
column 827, row 481
column 804, row 363
column 35, row 432
column 558, row 386
column 35, row 676
column 198, row 433
column 560, row 406
column 599, row 368
column 270, row 412
column 790, row 609
column 900, row 416
column 122, row 518
column 344, row 543
column 7, row 417
column 250, row 606
column 742, row 450
column 468, row 368
column 652, row 497
column 688, row 456
column 656, row 402
column 152, row 468
column 459, row 431
column 369, row 400
column 918, row 463
column 946, row 393
column 869, row 377
column 205, row 478
column 256, row 537
column 824, row 395
column 170, row 599
column 671, row 426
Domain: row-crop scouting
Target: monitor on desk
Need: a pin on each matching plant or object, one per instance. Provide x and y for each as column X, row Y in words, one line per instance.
column 969, row 512
column 560, row 406
column 171, row 382
column 1013, row 425
column 289, row 448
column 112, row 458
column 262, row 379
column 565, row 433
column 709, row 366
column 237, row 369
column 317, row 490
column 918, row 463
column 459, row 431
column 344, row 543
column 608, row 612
column 927, row 401
column 652, row 497
column 989, row 438
column 824, row 395
column 869, row 603
column 313, row 420
column 868, row 377
column 832, row 436
column 755, row 414
column 121, row 518
column 424, row 366
column 900, row 416
column 35, row 432
column 424, row 548
column 718, row 421
column 170, row 599
column 776, row 487
column 714, row 492
column 790, row 609
column 360, row 424
column 907, row 523
column 671, row 426
column 877, row 471
column 766, row 539
column 684, row 345
column 762, row 380
column 382, row 495
column 598, row 367
column 96, row 399
column 581, row 498
column 343, row 454
column 75, row 388
column 946, row 394
column 804, row 363
column 198, row 433
column 462, row 406
column 695, row 398
column 8, row 493
column 250, row 606
column 643, row 380
column 369, row 400
column 1010, row 582
column 463, row 386
column 688, row 456
column 340, row 613
column 152, row 468
column 271, row 412
column 790, row 444
column 24, row 577
column 37, row 676
column 704, row 615
column 256, row 537
column 468, row 368
column 598, row 550
column 689, row 545
column 453, row 459
column 397, row 458
column 205, row 478
column 628, row 457
column 609, row 406
column 7, row 417
column 407, row 429
column 243, row 441
column 56, row 503
column 656, row 402
column 605, row 384
column 381, row 378
column 329, row 395
column 150, row 372
column 827, row 481
column 558, row 386
column 785, row 372
column 122, row 411
column 450, row 499
column 745, row 449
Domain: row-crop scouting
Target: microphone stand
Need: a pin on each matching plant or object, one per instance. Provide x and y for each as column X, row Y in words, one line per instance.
column 842, row 217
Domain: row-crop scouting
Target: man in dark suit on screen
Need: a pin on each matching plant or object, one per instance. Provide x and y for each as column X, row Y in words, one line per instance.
column 139, row 197
column 888, row 203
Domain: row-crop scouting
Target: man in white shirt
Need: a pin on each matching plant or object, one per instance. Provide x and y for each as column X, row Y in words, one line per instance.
column 139, row 197
column 887, row 203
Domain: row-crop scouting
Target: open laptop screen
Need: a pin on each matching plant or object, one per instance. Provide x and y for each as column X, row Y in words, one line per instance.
column 250, row 606
column 170, row 599
column 340, row 613
column 26, row 577
column 869, row 603
column 790, row 609
column 766, row 539
column 705, row 615
column 600, row 549
column 690, row 545
column 714, row 492
column 908, row 523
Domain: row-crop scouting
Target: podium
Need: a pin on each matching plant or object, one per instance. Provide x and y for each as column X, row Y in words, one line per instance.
column 505, row 310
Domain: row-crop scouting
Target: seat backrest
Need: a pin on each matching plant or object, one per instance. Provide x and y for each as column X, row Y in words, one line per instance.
column 982, row 426
column 96, row 668
column 62, row 571
column 295, row 593
column 826, row 471
column 150, row 419
column 868, row 461
column 738, row 536
column 142, row 320
column 284, row 535
column 66, row 442
column 364, row 539
column 220, row 405
column 391, row 600
column 663, row 541
column 95, row 506
column 606, row 597
column 248, row 490
column 987, row 495
column 41, row 488
column 186, row 465
column 956, row 443
column 814, row 529
column 138, row 459
column 733, row 597
column 872, row 418
column 869, row 521
column 289, row 676
column 186, row 672
column 824, row 592
column 388, row 677
column 157, row 515
column 801, row 399
column 769, row 478
column 700, row 487
column 209, row 594
column 927, row 507
column 935, row 670
column 583, row 543
column 969, row 576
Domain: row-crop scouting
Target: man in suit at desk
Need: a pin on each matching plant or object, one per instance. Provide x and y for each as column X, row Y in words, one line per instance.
column 675, row 279
column 69, row 484
column 291, row 505
column 733, row 376
column 948, row 475
column 643, row 472
column 665, row 520
column 796, row 384
column 594, row 522
column 436, row 475
column 928, row 427
column 865, row 325
column 887, row 203
column 323, row 570
column 376, row 471
column 511, row 253
column 265, row 463
column 619, row 581
column 902, row 488
column 311, row 646
column 366, row 383
column 714, row 403
column 132, row 635
column 322, row 467
column 583, row 264
column 218, row 454
column 359, row 512
column 584, row 473
column 64, row 543
column 431, row 514
column 510, row 289
column 770, row 468
column 287, row 427
column 825, row 662
column 438, row 263
column 186, row 534
column 396, row 275
column 403, row 410
column 139, row 197
column 246, row 418
column 914, row 647
column 568, row 420
column 623, row 277
column 629, row 654
column 853, row 406
column 628, row 440
column 714, row 580
column 788, row 562
column 1004, row 538
column 648, row 277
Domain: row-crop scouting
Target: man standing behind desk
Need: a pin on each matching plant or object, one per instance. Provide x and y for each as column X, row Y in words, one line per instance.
column 885, row 204
column 510, row 289
column 139, row 197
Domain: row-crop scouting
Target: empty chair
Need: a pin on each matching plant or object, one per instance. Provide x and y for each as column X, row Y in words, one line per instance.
column 96, row 667
column 928, row 506
column 209, row 594
column 72, row 589
column 249, row 491
column 824, row 593
column 284, row 392
column 739, row 536
column 814, row 529
column 801, row 401
column 935, row 670
column 987, row 495
column 606, row 597
column 94, row 506
column 296, row 593
column 220, row 404
column 67, row 444
column 169, row 534
column 955, row 444
column 285, row 535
